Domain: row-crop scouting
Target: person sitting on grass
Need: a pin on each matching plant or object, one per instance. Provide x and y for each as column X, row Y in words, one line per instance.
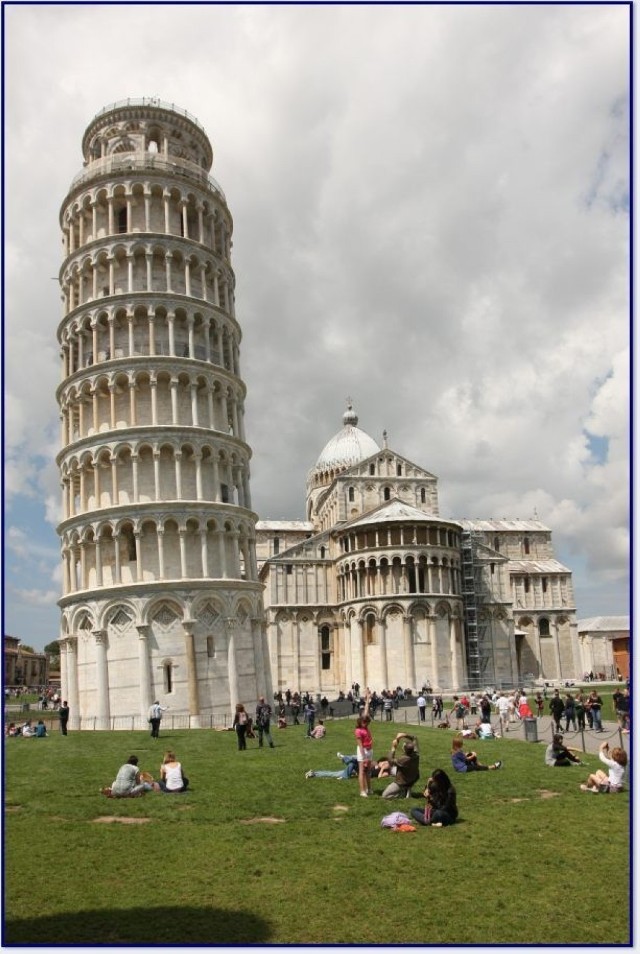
column 319, row 732
column 172, row 778
column 616, row 762
column 557, row 754
column 41, row 730
column 28, row 731
column 407, row 766
column 440, row 807
column 350, row 768
column 468, row 761
column 129, row 782
column 484, row 730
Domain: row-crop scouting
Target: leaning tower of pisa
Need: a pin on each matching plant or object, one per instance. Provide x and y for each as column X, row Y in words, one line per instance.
column 161, row 598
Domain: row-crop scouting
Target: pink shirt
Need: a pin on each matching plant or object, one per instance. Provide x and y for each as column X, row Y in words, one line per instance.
column 364, row 738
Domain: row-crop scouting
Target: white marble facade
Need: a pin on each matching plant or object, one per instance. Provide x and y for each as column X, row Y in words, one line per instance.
column 161, row 598
column 372, row 587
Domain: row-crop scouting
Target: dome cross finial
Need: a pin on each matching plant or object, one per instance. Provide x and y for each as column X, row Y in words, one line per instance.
column 350, row 416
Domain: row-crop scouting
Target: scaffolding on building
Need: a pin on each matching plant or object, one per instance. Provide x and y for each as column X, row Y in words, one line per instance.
column 479, row 639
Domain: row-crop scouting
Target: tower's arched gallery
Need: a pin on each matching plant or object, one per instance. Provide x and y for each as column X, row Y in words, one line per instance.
column 171, row 590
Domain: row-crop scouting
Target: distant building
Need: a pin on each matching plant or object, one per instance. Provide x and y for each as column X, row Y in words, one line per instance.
column 22, row 667
column 375, row 587
column 605, row 645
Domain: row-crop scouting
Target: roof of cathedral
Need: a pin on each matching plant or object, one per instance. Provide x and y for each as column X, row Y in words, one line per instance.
column 348, row 446
column 303, row 526
column 392, row 511
column 503, row 524
column 603, row 624
column 537, row 566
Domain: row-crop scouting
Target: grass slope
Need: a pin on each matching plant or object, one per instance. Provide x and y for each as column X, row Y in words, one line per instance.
column 207, row 868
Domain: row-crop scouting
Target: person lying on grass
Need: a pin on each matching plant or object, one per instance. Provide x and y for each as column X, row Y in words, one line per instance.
column 130, row 782
column 349, row 769
column 440, row 806
column 616, row 762
column 558, row 755
column 380, row 769
column 468, row 761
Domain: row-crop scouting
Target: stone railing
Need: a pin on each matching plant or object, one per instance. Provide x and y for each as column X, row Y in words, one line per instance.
column 146, row 162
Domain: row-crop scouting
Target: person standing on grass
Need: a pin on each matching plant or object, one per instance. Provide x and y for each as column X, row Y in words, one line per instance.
column 241, row 724
column 578, row 704
column 309, row 716
column 155, row 718
column 422, row 708
column 502, row 705
column 623, row 711
column 263, row 722
column 485, row 708
column 364, row 751
column 63, row 715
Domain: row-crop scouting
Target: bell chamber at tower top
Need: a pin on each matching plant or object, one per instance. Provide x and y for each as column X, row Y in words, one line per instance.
column 146, row 134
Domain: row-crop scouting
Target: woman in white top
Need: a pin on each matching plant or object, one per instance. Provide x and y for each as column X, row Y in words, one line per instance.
column 172, row 779
column 616, row 763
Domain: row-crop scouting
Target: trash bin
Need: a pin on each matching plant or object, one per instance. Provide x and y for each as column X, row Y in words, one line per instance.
column 531, row 730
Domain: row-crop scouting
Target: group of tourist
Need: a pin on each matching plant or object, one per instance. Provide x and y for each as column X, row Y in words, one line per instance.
column 132, row 782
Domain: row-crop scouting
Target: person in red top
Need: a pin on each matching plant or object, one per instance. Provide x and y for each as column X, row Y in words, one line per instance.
column 364, row 743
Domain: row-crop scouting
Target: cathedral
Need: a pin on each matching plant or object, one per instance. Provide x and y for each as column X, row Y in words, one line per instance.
column 375, row 587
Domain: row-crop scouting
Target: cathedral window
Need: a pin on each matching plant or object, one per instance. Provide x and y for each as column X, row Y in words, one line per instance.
column 526, row 545
column 276, row 545
column 211, row 649
column 399, row 470
column 526, row 584
column 372, row 469
column 387, row 493
column 496, row 543
column 543, row 627
column 423, row 495
column 544, row 584
column 352, row 494
column 289, row 569
column 322, row 552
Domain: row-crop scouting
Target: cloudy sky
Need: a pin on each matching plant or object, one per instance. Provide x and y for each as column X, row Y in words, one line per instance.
column 431, row 208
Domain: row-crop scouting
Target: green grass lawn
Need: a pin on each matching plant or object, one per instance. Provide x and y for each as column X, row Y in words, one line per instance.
column 257, row 854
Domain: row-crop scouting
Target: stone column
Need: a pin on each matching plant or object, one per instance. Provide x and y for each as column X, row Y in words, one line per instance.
column 64, row 684
column 72, row 682
column 258, row 656
column 192, row 674
column 102, row 680
column 362, row 665
column 384, row 665
column 556, row 647
column 232, row 665
column 435, row 675
column 409, row 658
column 296, row 652
column 455, row 678
column 144, row 671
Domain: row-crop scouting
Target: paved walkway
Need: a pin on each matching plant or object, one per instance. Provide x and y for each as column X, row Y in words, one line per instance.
column 586, row 741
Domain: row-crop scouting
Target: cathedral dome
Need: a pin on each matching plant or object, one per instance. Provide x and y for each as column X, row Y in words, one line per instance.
column 348, row 447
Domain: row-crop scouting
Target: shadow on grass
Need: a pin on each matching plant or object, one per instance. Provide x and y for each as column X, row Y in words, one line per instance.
column 163, row 925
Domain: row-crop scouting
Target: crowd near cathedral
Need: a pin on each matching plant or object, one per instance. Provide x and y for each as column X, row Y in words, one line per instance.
column 173, row 588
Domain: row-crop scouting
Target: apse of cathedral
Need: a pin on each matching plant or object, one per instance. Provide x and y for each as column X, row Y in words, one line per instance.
column 376, row 587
